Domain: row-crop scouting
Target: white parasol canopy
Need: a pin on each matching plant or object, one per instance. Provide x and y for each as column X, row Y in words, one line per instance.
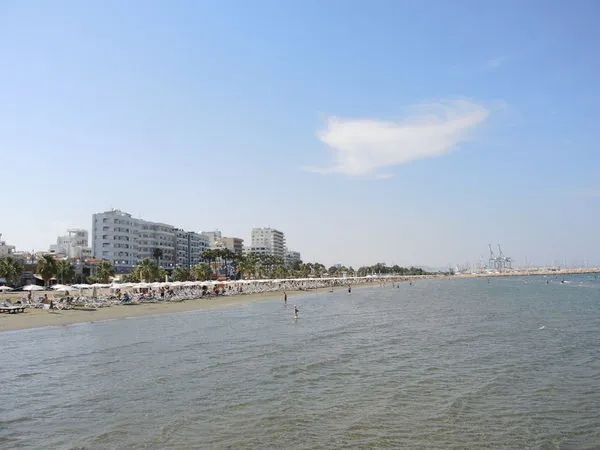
column 5, row 288
column 63, row 288
column 32, row 287
column 59, row 286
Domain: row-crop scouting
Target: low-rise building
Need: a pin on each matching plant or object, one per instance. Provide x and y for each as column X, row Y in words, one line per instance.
column 212, row 236
column 73, row 245
column 5, row 249
column 236, row 245
column 292, row 258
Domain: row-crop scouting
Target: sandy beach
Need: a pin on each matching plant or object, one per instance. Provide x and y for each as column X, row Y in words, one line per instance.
column 33, row 318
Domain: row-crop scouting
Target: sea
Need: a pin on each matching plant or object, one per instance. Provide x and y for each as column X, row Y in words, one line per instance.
column 499, row 362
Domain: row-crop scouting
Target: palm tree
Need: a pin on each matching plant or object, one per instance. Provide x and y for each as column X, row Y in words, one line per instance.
column 46, row 267
column 10, row 269
column 202, row 272
column 280, row 271
column 181, row 274
column 305, row 270
column 64, row 271
column 147, row 270
column 157, row 253
column 104, row 271
column 246, row 264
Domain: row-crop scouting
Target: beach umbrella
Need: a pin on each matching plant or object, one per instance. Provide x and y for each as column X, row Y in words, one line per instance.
column 63, row 288
column 5, row 288
column 59, row 286
column 33, row 287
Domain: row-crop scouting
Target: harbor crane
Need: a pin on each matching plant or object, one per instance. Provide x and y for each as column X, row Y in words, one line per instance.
column 499, row 262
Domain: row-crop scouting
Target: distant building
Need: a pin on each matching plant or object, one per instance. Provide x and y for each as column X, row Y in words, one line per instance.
column 189, row 248
column 73, row 245
column 125, row 241
column 236, row 245
column 268, row 241
column 291, row 258
column 212, row 236
column 5, row 249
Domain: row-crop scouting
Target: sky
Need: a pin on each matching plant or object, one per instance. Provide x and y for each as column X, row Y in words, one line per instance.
column 404, row 132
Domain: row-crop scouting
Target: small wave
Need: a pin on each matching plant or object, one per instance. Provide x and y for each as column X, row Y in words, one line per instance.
column 31, row 374
column 15, row 420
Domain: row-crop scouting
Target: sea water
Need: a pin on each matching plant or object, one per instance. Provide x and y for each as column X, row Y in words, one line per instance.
column 510, row 362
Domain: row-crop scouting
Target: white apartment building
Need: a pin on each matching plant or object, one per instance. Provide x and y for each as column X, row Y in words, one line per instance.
column 268, row 241
column 213, row 237
column 291, row 257
column 5, row 250
column 125, row 241
column 189, row 248
column 73, row 245
column 236, row 245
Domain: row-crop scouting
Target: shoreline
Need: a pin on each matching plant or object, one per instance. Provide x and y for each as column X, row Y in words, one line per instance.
column 36, row 318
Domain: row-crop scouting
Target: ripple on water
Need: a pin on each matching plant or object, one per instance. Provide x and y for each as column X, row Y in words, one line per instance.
column 443, row 364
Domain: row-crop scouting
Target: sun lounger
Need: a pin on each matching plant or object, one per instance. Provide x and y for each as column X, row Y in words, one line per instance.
column 12, row 309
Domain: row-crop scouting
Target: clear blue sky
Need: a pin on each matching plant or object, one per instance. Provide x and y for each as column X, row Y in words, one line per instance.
column 410, row 132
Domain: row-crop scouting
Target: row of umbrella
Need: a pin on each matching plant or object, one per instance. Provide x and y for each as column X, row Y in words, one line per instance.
column 63, row 287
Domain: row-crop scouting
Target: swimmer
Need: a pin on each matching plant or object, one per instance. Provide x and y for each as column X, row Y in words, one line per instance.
column 296, row 311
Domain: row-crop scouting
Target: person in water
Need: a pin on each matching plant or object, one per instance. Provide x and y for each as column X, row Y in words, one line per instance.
column 349, row 289
column 296, row 311
column 284, row 297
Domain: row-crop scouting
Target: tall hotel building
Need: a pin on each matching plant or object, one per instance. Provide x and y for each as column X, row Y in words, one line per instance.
column 125, row 241
column 190, row 246
column 268, row 241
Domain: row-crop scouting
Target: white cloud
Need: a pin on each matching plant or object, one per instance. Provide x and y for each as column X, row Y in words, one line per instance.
column 363, row 146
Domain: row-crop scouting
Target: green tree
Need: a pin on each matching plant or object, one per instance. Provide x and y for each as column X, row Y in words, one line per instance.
column 64, row 271
column 202, row 272
column 247, row 265
column 280, row 271
column 10, row 269
column 181, row 274
column 104, row 271
column 210, row 256
column 157, row 253
column 305, row 270
column 46, row 267
column 147, row 270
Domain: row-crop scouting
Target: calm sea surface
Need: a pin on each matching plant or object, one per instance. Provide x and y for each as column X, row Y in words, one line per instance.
column 467, row 363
